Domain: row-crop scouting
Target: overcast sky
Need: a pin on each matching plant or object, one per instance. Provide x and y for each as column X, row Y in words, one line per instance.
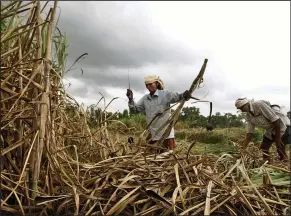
column 247, row 45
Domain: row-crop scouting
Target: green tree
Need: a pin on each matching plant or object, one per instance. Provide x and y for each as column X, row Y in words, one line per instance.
column 191, row 116
column 125, row 114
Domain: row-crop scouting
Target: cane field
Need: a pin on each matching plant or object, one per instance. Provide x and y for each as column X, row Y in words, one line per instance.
column 59, row 157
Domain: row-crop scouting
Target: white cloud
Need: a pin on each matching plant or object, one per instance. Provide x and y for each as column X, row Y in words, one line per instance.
column 249, row 40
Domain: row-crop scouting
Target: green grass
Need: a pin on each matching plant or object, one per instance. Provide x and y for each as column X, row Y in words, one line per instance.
column 217, row 149
column 217, row 135
column 201, row 136
column 216, row 142
column 278, row 177
column 137, row 121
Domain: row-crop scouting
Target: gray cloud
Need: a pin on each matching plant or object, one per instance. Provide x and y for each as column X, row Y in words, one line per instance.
column 118, row 34
column 87, row 91
column 176, row 78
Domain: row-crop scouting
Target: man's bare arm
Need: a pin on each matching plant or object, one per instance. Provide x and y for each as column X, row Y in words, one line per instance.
column 247, row 140
column 276, row 125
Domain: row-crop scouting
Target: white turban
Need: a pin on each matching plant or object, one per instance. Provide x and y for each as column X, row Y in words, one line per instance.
column 153, row 78
column 240, row 102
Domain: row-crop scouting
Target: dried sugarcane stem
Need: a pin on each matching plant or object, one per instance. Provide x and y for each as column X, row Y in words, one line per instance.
column 44, row 108
column 174, row 118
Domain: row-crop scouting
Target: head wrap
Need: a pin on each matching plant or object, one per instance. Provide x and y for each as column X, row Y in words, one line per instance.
column 240, row 102
column 153, row 78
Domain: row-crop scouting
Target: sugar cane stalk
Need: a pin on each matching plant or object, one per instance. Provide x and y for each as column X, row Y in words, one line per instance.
column 174, row 117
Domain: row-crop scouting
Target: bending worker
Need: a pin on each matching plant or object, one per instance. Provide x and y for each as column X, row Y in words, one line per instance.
column 157, row 101
column 277, row 125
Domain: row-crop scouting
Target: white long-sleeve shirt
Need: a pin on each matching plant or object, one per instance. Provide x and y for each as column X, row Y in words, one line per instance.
column 153, row 104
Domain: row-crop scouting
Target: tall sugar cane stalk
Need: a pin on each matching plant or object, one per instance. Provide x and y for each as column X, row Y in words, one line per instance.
column 45, row 104
column 174, row 117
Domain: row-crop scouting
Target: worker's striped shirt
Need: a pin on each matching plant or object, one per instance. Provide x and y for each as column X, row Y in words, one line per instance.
column 262, row 115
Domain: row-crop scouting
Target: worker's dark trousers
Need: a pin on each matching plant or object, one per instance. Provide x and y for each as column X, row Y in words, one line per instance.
column 267, row 143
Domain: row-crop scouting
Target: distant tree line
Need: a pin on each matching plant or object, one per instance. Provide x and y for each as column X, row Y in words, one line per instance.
column 190, row 116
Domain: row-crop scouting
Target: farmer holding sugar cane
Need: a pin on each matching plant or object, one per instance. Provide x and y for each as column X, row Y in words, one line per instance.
column 157, row 101
column 277, row 125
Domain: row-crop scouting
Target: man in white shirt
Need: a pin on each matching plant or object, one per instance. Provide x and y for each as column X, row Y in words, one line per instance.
column 276, row 124
column 157, row 101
